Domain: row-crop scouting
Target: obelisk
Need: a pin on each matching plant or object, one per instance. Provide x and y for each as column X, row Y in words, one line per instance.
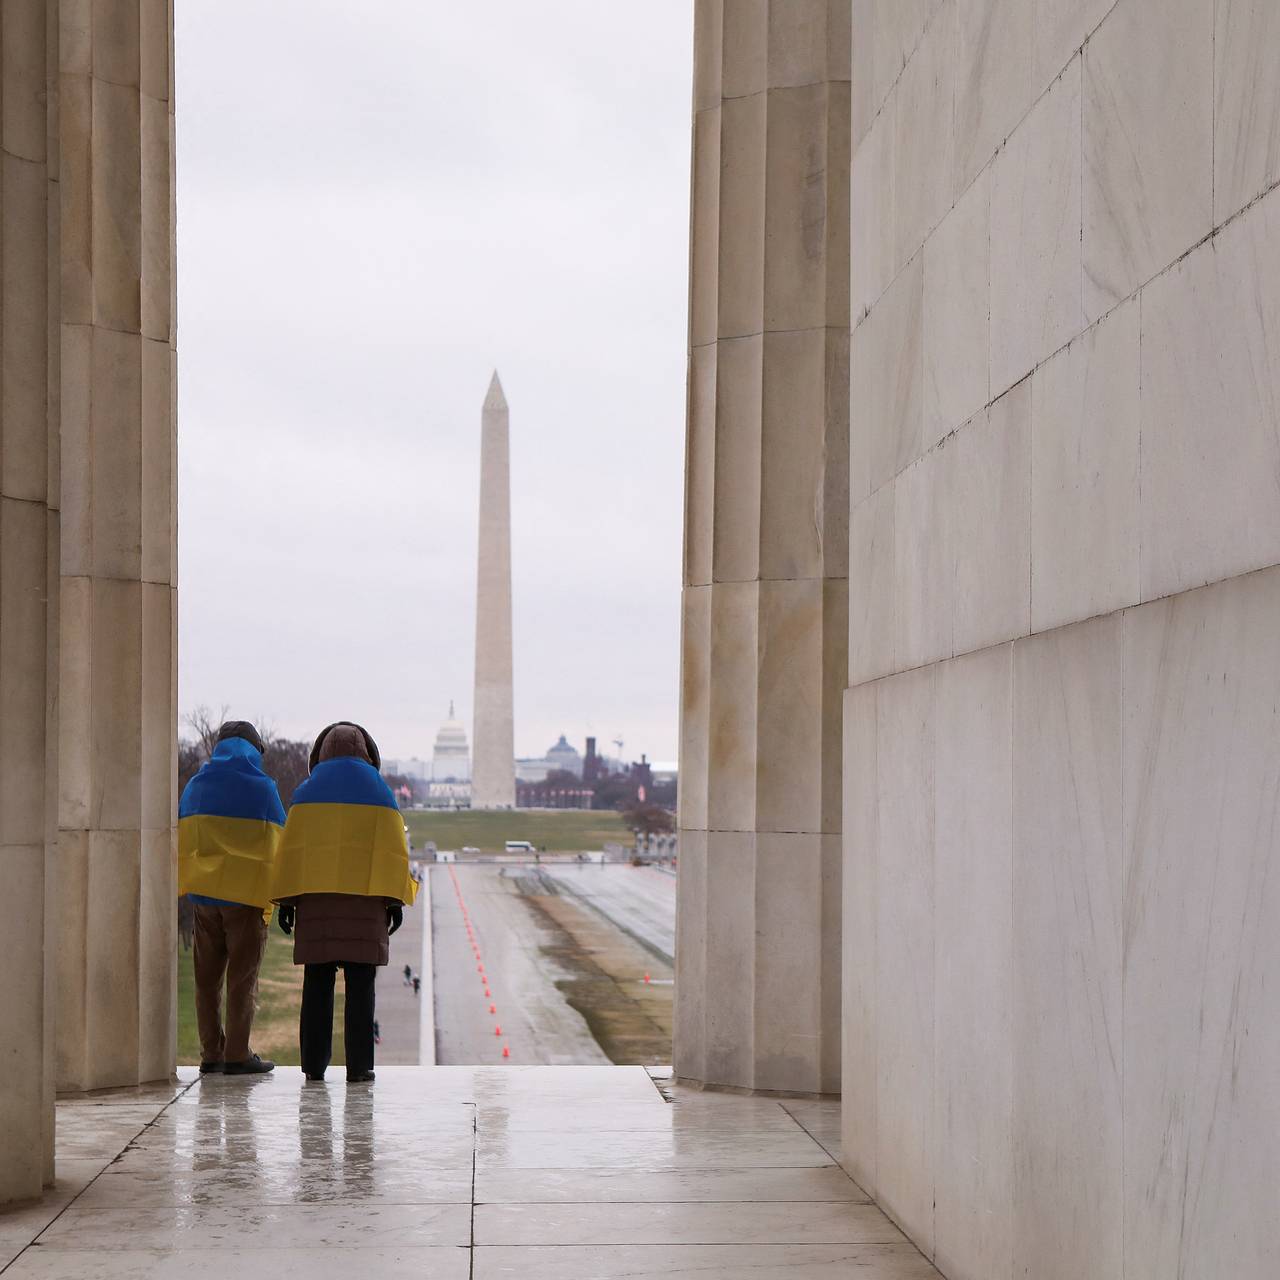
column 493, row 776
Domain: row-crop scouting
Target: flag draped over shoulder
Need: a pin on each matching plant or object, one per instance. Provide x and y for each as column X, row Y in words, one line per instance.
column 230, row 821
column 344, row 835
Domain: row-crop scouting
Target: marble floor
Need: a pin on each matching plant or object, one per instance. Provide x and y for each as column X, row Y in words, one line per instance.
column 460, row 1173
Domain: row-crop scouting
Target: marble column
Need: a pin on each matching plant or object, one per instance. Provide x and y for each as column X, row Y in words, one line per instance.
column 493, row 780
column 28, row 610
column 765, row 606
column 116, row 806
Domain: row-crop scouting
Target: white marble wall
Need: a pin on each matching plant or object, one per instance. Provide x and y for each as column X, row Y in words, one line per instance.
column 1200, row 1041
column 1061, row 1033
column 766, row 540
column 1061, row 748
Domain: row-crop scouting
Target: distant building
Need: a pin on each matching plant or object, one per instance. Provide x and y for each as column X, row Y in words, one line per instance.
column 532, row 769
column 552, row 795
column 642, row 772
column 560, row 758
column 448, row 795
column 563, row 756
column 451, row 759
column 664, row 779
column 413, row 768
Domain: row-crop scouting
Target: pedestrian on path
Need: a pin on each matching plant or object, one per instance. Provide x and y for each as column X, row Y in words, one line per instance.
column 342, row 880
column 230, row 821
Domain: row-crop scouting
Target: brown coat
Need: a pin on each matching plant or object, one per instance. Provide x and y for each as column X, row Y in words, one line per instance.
column 338, row 927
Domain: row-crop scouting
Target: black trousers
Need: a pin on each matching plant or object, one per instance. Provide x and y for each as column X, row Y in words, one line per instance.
column 315, row 1026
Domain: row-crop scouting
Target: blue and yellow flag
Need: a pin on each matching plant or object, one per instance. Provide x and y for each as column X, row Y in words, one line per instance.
column 230, row 822
column 344, row 835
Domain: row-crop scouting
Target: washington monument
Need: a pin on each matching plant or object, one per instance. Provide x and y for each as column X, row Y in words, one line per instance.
column 493, row 778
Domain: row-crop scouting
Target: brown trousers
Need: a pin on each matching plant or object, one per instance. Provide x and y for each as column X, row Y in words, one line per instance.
column 229, row 941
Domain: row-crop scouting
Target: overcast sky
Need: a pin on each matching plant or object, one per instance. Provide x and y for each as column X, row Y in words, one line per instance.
column 378, row 204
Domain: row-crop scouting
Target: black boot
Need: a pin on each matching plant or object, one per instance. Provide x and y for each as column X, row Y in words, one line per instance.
column 251, row 1066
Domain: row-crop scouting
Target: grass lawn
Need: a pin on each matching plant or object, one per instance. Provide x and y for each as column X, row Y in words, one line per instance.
column 558, row 830
column 275, row 1027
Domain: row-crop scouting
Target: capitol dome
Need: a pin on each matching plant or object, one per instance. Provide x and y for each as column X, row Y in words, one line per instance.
column 451, row 758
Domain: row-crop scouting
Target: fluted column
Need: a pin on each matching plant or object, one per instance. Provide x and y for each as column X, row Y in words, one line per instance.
column 116, row 810
column 28, row 551
column 765, row 619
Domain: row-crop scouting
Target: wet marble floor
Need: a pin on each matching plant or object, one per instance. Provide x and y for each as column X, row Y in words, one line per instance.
column 460, row 1173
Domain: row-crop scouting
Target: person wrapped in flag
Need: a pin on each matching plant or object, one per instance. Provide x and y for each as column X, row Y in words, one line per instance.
column 342, row 881
column 230, row 821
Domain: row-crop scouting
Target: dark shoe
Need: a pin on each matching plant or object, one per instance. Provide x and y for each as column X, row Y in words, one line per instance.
column 316, row 1079
column 251, row 1066
column 212, row 1068
column 363, row 1077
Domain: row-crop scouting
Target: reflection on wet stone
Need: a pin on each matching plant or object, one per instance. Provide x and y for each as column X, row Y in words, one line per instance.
column 431, row 1166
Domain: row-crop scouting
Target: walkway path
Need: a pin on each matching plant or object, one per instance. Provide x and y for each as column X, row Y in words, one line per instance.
column 537, row 1024
column 398, row 1009
column 547, row 1173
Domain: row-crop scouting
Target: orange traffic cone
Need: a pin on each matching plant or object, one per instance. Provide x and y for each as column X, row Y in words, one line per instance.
column 497, row 1031
column 506, row 1053
column 493, row 1008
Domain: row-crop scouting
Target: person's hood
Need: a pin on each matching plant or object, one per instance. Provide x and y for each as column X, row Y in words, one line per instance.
column 233, row 749
column 345, row 780
column 232, row 784
column 242, row 729
column 345, row 739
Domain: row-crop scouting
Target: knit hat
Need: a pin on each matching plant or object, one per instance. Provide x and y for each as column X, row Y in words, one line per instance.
column 242, row 729
column 345, row 738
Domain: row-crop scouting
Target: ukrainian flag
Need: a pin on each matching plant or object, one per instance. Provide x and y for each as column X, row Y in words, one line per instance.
column 230, row 821
column 344, row 835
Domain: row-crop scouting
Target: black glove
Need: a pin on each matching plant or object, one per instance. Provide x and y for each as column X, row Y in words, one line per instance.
column 285, row 916
column 395, row 918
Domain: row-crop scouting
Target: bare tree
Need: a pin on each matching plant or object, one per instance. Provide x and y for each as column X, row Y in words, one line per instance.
column 204, row 726
column 286, row 761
